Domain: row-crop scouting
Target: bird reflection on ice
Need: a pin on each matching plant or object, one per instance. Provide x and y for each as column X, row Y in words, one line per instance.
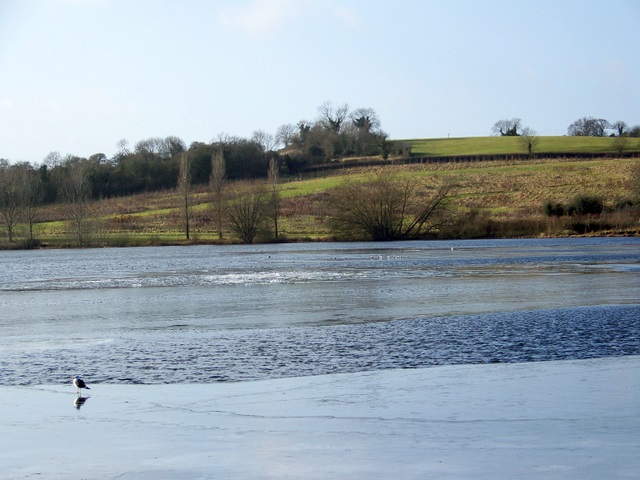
column 79, row 401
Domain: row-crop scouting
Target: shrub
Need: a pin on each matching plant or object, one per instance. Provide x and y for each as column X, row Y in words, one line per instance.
column 556, row 209
column 30, row 244
column 586, row 205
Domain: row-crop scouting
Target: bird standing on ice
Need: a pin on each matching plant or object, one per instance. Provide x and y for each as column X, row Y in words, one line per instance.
column 79, row 384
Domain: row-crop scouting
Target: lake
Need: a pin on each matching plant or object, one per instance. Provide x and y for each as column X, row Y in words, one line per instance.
column 205, row 314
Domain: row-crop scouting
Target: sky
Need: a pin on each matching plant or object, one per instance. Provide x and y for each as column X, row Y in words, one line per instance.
column 78, row 76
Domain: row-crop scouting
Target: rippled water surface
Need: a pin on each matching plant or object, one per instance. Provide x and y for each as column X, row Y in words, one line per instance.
column 211, row 313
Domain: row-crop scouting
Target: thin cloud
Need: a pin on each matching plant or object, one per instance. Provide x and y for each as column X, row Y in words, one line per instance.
column 261, row 17
column 265, row 17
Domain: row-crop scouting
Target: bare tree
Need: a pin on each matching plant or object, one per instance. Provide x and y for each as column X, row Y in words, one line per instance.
column 151, row 148
column 588, row 127
column 123, row 147
column 620, row 127
column 52, row 160
column 386, row 209
column 75, row 190
column 31, row 189
column 332, row 117
column 184, row 189
column 365, row 119
column 507, row 128
column 247, row 212
column 217, row 182
column 274, row 203
column 174, row 146
column 285, row 135
column 528, row 140
column 633, row 131
column 10, row 197
column 620, row 144
column 264, row 139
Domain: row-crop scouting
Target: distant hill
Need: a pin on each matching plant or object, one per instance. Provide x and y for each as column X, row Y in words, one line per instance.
column 510, row 145
column 496, row 197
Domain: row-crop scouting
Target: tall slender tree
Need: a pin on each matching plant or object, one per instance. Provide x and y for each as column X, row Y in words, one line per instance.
column 217, row 182
column 75, row 190
column 10, row 197
column 274, row 203
column 32, row 193
column 184, row 190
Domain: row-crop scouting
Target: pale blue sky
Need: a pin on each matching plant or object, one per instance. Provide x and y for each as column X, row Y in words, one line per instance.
column 77, row 76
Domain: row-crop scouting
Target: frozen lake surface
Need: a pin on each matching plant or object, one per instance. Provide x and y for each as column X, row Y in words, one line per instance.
column 571, row 419
column 210, row 313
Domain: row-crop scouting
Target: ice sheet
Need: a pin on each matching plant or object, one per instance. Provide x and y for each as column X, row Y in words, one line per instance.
column 564, row 419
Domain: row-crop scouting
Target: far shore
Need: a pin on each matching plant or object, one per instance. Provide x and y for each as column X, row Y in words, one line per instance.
column 47, row 245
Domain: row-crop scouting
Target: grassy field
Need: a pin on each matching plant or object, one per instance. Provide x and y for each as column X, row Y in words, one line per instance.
column 491, row 198
column 510, row 145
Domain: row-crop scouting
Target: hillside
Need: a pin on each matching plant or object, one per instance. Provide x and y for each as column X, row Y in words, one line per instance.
column 490, row 199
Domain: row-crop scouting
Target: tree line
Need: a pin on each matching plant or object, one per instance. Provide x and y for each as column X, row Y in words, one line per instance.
column 582, row 127
column 167, row 163
column 528, row 138
column 153, row 164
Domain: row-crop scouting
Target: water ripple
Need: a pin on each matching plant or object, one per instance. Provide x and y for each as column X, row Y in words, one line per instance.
column 180, row 354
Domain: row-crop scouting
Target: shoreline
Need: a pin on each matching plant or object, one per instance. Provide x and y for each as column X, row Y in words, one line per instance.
column 557, row 419
column 212, row 242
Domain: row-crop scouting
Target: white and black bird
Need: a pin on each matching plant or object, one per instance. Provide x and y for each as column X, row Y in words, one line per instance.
column 79, row 384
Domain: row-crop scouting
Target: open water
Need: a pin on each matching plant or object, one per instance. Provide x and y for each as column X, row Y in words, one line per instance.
column 228, row 313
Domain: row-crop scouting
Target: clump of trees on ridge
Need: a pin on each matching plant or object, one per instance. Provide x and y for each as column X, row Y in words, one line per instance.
column 153, row 164
column 583, row 127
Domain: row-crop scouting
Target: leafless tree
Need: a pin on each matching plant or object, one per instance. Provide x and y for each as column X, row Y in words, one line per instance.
column 31, row 189
column 264, row 139
column 274, row 203
column 123, row 147
column 151, row 148
column 217, row 182
column 620, row 127
column 75, row 190
column 387, row 209
column 620, row 144
column 10, row 197
column 52, row 160
column 365, row 119
column 285, row 135
column 184, row 189
column 507, row 127
column 588, row 127
column 247, row 212
column 332, row 117
column 529, row 140
column 174, row 146
column 633, row 131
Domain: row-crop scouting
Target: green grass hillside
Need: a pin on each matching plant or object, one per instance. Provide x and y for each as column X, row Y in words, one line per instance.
column 491, row 198
column 510, row 145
